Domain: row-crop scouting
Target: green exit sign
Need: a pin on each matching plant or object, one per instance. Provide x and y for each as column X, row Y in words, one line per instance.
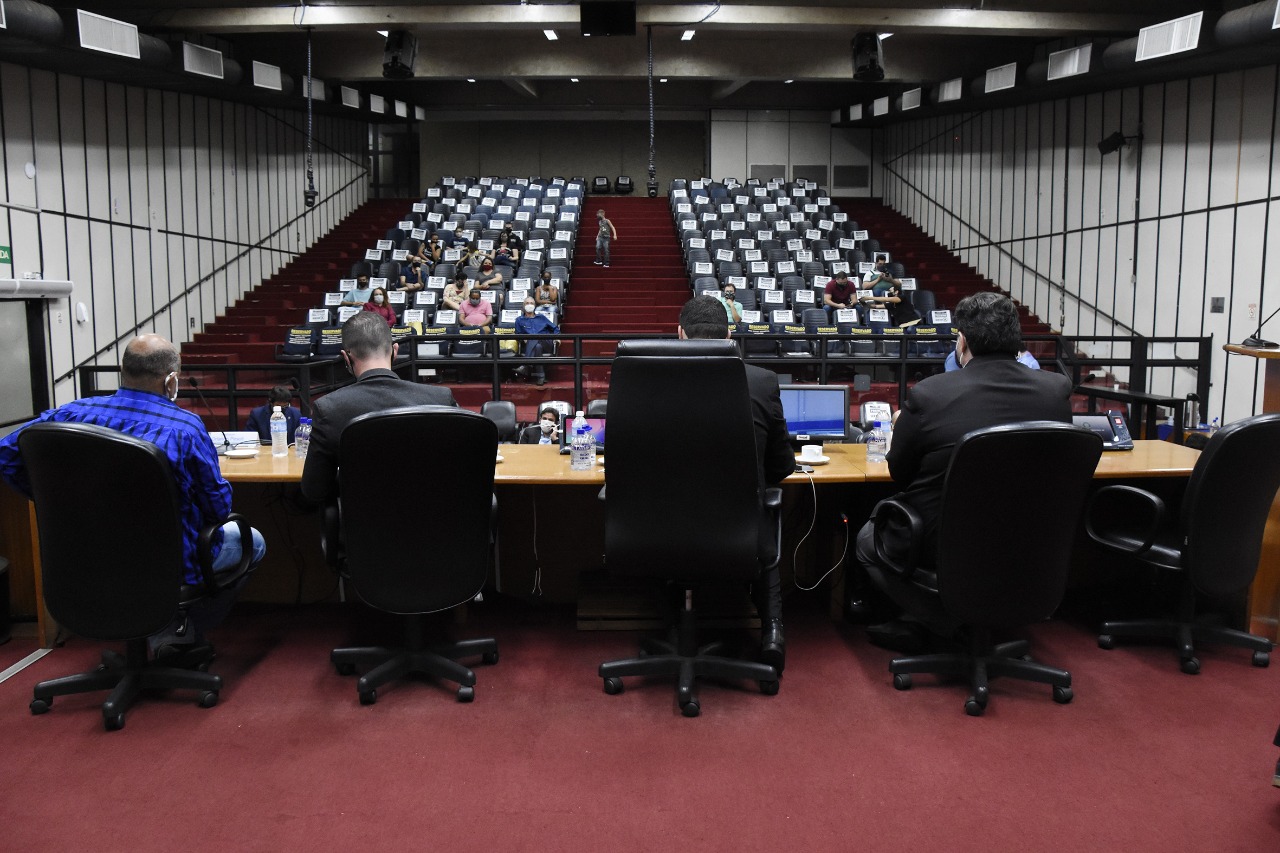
column 6, row 255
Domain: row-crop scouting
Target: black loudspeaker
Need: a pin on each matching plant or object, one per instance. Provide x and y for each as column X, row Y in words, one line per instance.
column 607, row 17
column 399, row 54
column 868, row 58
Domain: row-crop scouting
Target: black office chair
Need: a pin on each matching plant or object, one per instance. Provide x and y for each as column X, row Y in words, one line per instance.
column 597, row 408
column 111, row 554
column 407, row 576
column 658, row 494
column 1214, row 544
column 503, row 415
column 1000, row 559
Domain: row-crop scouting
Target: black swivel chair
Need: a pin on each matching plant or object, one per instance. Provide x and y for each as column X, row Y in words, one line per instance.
column 503, row 415
column 112, row 559
column 410, row 577
column 1214, row 544
column 658, row 493
column 1001, row 559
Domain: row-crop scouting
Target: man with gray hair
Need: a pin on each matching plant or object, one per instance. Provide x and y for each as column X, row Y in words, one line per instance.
column 368, row 351
column 992, row 389
column 145, row 407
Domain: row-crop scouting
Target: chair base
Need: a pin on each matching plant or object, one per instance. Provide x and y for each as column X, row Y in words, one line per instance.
column 982, row 663
column 688, row 662
column 415, row 658
column 126, row 677
column 1186, row 636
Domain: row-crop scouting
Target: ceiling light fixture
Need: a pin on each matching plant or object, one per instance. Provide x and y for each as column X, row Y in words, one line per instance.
column 550, row 34
column 573, row 79
column 471, row 79
column 788, row 81
column 687, row 36
column 662, row 79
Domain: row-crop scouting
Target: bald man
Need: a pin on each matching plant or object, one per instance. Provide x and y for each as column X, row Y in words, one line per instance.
column 144, row 407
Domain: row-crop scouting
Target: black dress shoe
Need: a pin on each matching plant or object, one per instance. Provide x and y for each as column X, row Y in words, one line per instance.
column 773, row 645
column 898, row 636
column 185, row 655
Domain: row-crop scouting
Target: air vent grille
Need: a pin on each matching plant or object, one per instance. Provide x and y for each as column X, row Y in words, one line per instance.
column 1176, row 36
column 350, row 97
column 204, row 61
column 951, row 90
column 1070, row 62
column 402, row 109
column 317, row 88
column 377, row 104
column 108, row 35
column 910, row 99
column 1001, row 77
column 880, row 106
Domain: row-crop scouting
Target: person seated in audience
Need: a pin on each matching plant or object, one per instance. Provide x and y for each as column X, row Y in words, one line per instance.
column 260, row 417
column 429, row 250
column 414, row 277
column 489, row 277
column 475, row 311
column 378, row 305
column 455, row 293
column 359, row 294
column 506, row 254
column 530, row 322
column 732, row 306
column 886, row 293
column 546, row 295
column 512, row 238
column 545, row 431
column 839, row 293
column 992, row 389
column 474, row 257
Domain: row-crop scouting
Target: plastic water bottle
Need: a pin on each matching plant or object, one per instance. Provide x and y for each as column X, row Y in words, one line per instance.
column 877, row 443
column 583, row 446
column 1213, row 427
column 279, row 434
column 302, row 438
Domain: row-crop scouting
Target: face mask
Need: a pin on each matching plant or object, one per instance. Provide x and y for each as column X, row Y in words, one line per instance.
column 474, row 301
column 487, row 267
column 172, row 395
column 377, row 300
column 548, row 427
column 728, row 294
column 528, row 307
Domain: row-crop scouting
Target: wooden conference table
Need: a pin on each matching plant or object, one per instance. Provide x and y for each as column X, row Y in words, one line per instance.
column 533, row 552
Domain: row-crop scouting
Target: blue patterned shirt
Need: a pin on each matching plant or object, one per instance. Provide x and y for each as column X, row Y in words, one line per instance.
column 177, row 432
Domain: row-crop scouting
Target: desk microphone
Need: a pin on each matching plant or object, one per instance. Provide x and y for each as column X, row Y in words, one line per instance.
column 1261, row 343
column 226, row 443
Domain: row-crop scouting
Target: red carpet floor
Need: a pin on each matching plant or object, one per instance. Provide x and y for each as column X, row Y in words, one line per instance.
column 1146, row 758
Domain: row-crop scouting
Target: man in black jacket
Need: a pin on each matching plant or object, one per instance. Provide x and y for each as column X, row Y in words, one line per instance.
column 991, row 389
column 704, row 317
column 368, row 351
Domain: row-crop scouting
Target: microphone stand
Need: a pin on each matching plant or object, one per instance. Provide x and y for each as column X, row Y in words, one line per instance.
column 226, row 442
column 1261, row 343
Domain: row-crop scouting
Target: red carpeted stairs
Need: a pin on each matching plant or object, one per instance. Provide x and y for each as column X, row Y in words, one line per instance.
column 250, row 329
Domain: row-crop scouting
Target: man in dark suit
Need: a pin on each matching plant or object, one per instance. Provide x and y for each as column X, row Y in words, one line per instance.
column 368, row 351
column 704, row 317
column 991, row 389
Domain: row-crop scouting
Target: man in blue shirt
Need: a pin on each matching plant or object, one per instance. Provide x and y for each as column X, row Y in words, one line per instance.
column 144, row 408
column 530, row 322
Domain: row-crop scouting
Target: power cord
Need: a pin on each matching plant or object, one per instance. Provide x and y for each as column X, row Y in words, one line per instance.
column 795, row 554
column 537, row 562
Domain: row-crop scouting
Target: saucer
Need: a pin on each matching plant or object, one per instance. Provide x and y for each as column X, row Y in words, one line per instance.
column 821, row 460
column 242, row 452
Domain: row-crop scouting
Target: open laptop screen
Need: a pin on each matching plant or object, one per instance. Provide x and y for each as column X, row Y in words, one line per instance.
column 816, row 411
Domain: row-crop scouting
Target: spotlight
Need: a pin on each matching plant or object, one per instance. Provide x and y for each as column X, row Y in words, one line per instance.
column 1115, row 142
column 868, row 58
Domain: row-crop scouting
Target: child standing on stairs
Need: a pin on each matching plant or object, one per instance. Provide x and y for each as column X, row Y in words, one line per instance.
column 603, row 236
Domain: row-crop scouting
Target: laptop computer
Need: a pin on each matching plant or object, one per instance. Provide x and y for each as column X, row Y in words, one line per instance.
column 1110, row 425
column 566, row 435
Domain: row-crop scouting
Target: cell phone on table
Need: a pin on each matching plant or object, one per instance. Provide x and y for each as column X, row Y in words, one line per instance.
column 803, row 469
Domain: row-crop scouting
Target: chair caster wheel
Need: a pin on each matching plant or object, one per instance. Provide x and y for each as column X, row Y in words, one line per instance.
column 691, row 708
column 1106, row 641
column 368, row 697
column 466, row 694
column 973, row 707
column 40, row 706
column 1262, row 658
column 1191, row 666
column 113, row 722
column 902, row 681
column 345, row 668
column 770, row 688
column 613, row 686
column 208, row 699
column 490, row 657
column 1063, row 695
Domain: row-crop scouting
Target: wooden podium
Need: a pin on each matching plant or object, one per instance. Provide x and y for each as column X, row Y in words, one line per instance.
column 1264, row 595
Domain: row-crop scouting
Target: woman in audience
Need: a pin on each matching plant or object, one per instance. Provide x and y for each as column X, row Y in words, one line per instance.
column 456, row 292
column 545, row 431
column 378, row 304
column 506, row 254
column 546, row 295
column 474, row 257
column 489, row 277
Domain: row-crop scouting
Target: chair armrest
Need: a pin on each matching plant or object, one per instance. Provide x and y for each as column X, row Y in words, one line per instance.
column 204, row 551
column 493, row 520
column 331, row 527
column 772, row 502
column 895, row 510
column 1132, row 515
column 601, row 497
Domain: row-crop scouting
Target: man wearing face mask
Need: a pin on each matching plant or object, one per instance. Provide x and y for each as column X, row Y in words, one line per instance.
column 359, row 294
column 731, row 306
column 530, row 322
column 413, row 278
column 475, row 311
column 545, row 431
column 367, row 351
column 144, row 407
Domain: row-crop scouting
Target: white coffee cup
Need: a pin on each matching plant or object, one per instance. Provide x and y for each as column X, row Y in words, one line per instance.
column 811, row 452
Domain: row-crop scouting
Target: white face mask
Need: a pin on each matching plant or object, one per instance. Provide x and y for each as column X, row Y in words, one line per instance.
column 528, row 307
column 548, row 427
column 378, row 299
column 172, row 395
